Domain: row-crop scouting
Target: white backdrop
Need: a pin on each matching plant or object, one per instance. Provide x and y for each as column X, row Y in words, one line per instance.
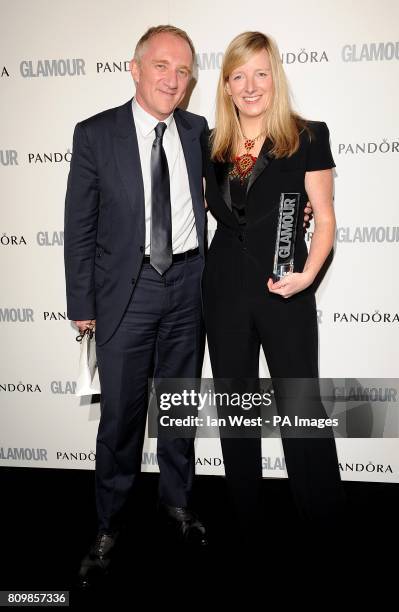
column 341, row 59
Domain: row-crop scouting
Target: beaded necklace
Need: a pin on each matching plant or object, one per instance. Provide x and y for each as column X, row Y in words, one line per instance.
column 244, row 164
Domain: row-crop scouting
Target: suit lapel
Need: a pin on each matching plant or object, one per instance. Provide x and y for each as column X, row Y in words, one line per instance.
column 223, row 181
column 187, row 138
column 127, row 155
column 222, row 173
column 261, row 164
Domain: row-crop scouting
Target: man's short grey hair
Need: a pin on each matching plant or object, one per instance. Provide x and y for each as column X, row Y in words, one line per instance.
column 161, row 29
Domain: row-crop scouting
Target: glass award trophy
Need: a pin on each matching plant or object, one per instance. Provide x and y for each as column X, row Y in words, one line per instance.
column 286, row 233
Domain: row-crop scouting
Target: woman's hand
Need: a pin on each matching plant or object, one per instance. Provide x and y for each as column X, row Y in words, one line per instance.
column 291, row 283
column 308, row 215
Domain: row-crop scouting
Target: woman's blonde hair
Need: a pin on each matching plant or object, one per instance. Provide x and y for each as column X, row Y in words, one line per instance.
column 282, row 126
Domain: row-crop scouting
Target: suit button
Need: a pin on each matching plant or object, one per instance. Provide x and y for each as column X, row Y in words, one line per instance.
column 241, row 238
column 141, row 249
column 133, row 281
column 99, row 253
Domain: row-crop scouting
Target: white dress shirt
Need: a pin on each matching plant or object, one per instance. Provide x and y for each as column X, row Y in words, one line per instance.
column 184, row 235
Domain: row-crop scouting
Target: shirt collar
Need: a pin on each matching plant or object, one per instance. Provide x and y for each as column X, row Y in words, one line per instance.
column 146, row 122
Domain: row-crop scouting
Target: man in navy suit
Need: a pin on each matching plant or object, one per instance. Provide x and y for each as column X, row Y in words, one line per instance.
column 135, row 232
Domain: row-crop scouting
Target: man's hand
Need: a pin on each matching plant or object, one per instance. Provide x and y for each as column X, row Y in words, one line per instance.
column 308, row 216
column 83, row 325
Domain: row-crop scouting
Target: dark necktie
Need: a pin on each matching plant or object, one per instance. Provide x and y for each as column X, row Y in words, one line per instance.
column 161, row 216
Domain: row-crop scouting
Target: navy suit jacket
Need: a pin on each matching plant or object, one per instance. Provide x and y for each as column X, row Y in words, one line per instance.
column 104, row 232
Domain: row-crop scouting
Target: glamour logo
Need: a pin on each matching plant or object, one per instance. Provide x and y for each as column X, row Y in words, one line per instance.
column 75, row 456
column 55, row 316
column 273, row 463
column 16, row 315
column 23, row 454
column 371, row 233
column 366, row 317
column 4, row 72
column 287, row 227
column 52, row 67
column 20, row 387
column 319, row 316
column 304, row 57
column 368, row 467
column 209, row 61
column 6, row 240
column 63, row 387
column 111, row 66
column 370, row 52
column 8, row 157
column 356, row 148
column 149, row 459
column 49, row 158
column 55, row 238
column 365, row 394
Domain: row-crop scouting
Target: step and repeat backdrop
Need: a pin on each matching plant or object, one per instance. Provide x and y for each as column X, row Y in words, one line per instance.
column 61, row 62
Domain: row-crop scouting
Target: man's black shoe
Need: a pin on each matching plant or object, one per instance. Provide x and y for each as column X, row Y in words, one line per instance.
column 95, row 565
column 187, row 525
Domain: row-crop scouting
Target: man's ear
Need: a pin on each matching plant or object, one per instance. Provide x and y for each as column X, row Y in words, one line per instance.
column 134, row 70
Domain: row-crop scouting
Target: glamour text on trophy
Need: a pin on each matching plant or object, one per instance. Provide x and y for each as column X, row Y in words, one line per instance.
column 286, row 233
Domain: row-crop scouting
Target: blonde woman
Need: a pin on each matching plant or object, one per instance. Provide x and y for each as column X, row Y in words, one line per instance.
column 259, row 150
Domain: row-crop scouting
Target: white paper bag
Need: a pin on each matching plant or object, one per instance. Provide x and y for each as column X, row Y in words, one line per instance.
column 88, row 382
